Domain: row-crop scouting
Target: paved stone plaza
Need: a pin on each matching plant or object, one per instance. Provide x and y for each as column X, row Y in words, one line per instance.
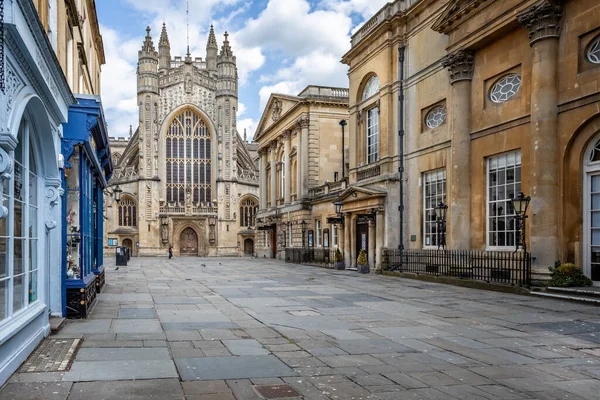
column 175, row 329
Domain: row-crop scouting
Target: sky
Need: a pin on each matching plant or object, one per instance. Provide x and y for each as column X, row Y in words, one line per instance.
column 281, row 46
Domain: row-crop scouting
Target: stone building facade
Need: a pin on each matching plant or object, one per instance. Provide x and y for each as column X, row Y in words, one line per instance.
column 301, row 174
column 34, row 102
column 499, row 97
column 185, row 172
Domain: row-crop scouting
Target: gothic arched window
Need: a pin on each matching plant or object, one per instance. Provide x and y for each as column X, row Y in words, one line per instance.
column 188, row 159
column 127, row 212
column 248, row 211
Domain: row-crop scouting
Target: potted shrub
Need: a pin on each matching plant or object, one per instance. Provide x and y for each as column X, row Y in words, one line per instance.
column 567, row 275
column 339, row 260
column 362, row 264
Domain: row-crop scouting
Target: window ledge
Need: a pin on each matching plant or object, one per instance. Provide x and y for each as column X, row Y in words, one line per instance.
column 501, row 248
column 12, row 326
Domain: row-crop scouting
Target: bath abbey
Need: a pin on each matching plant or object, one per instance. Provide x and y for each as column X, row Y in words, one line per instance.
column 185, row 178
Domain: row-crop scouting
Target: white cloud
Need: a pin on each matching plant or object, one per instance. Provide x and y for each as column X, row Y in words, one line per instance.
column 249, row 125
column 290, row 27
column 241, row 109
column 119, row 85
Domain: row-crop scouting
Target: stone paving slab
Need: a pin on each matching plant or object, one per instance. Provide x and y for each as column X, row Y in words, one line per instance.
column 36, row 391
column 120, row 370
column 211, row 368
column 159, row 389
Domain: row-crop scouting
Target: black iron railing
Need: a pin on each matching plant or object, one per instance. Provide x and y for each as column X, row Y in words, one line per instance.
column 508, row 268
column 310, row 255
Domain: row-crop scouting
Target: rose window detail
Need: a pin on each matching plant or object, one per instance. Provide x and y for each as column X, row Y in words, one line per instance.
column 593, row 53
column 435, row 117
column 505, row 88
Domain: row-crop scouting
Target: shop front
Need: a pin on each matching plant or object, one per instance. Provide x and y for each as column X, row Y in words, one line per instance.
column 87, row 167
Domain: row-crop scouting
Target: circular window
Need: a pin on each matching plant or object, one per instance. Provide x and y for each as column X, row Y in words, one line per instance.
column 505, row 88
column 435, row 117
column 593, row 53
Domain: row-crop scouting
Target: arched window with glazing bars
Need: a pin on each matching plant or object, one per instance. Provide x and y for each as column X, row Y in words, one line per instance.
column 127, row 212
column 188, row 159
column 248, row 210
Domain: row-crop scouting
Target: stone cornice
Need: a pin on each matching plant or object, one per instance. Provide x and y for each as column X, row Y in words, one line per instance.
column 460, row 65
column 543, row 20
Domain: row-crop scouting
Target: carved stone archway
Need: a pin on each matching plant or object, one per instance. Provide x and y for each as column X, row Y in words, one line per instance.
column 188, row 242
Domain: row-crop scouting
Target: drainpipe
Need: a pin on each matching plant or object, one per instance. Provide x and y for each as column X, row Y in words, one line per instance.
column 401, row 143
column 343, row 124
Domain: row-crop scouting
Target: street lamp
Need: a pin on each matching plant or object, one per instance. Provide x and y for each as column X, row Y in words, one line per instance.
column 303, row 224
column 343, row 124
column 338, row 207
column 116, row 193
column 440, row 213
column 520, row 204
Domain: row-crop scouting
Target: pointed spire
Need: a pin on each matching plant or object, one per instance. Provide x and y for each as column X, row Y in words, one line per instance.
column 130, row 131
column 212, row 39
column 148, row 45
column 245, row 139
column 226, row 48
column 164, row 37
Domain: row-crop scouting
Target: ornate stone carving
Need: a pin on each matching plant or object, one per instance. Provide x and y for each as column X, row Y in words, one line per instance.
column 460, row 65
column 164, row 230
column 52, row 196
column 359, row 117
column 277, row 107
column 302, row 122
column 543, row 20
column 6, row 168
column 286, row 135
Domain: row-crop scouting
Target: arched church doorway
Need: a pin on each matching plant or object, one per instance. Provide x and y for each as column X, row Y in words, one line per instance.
column 591, row 212
column 128, row 243
column 188, row 242
column 248, row 247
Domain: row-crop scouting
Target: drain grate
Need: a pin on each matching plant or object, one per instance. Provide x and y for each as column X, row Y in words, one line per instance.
column 52, row 355
column 277, row 392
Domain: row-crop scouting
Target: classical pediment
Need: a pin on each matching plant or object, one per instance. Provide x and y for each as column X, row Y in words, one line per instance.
column 277, row 106
column 358, row 193
column 456, row 12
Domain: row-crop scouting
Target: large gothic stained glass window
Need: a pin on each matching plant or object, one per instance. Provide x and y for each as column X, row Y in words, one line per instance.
column 188, row 164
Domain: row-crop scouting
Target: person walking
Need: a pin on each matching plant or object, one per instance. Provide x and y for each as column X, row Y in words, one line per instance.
column 170, row 252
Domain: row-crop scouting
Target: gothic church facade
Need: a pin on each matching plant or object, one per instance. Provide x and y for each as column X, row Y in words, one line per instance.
column 187, row 178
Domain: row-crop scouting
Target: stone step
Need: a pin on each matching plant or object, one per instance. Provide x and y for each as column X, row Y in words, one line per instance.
column 565, row 297
column 56, row 324
column 576, row 291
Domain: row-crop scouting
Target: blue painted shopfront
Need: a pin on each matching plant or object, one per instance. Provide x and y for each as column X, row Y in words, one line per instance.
column 87, row 168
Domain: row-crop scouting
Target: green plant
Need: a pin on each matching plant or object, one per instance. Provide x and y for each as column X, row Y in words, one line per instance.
column 565, row 275
column 339, row 257
column 362, row 258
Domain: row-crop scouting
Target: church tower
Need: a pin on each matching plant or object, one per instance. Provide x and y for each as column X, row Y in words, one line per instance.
column 148, row 92
column 227, row 103
column 188, row 179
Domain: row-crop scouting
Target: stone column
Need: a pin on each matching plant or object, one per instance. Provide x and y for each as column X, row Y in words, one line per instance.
column 263, row 179
column 353, row 254
column 380, row 231
column 372, row 242
column 347, row 241
column 273, row 149
column 340, row 233
column 303, row 125
column 544, row 23
column 286, row 166
column 460, row 66
column 298, row 164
